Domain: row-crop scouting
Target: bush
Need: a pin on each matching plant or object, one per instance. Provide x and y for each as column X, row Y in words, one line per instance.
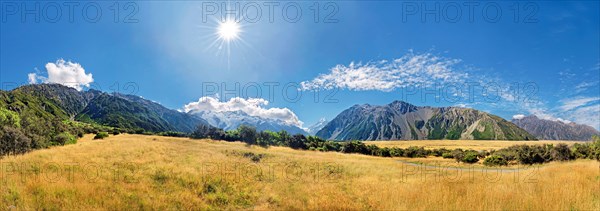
column 581, row 151
column 471, row 157
column 64, row 139
column 173, row 134
column 495, row 160
column 447, row 155
column 458, row 154
column 561, row 152
column 101, row 135
column 533, row 154
column 595, row 148
column 355, row 147
column 414, row 152
column 116, row 132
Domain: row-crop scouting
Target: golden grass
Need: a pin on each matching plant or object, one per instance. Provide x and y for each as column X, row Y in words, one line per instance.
column 150, row 172
column 464, row 144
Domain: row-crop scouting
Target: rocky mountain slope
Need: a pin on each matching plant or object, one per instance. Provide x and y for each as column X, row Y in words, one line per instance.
column 403, row 121
column 555, row 130
column 93, row 106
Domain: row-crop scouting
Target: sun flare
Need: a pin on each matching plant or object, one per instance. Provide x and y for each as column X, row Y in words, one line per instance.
column 228, row 30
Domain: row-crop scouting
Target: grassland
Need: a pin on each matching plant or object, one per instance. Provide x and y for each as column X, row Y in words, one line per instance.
column 464, row 144
column 143, row 172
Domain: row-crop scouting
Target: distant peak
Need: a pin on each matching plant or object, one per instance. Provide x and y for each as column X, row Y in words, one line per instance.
column 399, row 102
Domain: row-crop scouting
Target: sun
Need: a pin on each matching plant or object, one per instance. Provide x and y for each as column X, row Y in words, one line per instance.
column 229, row 30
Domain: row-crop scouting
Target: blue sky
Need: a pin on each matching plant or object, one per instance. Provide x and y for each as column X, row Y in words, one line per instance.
column 550, row 50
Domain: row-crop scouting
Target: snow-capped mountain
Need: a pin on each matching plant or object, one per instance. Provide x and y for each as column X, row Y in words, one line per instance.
column 313, row 129
column 231, row 120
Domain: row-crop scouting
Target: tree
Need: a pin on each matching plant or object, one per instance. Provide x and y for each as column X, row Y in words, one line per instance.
column 247, row 134
column 207, row 131
column 13, row 141
column 9, row 118
column 298, row 142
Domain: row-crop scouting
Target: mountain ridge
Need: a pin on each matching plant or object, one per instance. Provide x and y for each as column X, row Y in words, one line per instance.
column 403, row 121
column 555, row 130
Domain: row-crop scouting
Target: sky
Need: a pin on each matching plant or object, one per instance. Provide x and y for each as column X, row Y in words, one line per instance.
column 306, row 60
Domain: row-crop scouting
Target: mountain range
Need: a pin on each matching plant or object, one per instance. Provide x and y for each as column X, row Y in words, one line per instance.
column 231, row 120
column 116, row 110
column 130, row 111
column 555, row 130
column 395, row 121
column 403, row 121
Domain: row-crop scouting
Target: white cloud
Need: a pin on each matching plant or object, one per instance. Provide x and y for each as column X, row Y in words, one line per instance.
column 583, row 86
column 589, row 115
column 250, row 106
column 519, row 116
column 570, row 104
column 581, row 110
column 66, row 73
column 543, row 114
column 411, row 70
column 32, row 78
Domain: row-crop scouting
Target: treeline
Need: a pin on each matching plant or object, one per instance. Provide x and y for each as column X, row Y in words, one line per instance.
column 21, row 133
column 518, row 154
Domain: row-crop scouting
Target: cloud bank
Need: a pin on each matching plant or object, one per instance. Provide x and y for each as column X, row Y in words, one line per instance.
column 66, row 73
column 250, row 106
column 411, row 70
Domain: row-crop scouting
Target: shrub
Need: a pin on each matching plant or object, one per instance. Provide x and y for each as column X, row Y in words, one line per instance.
column 64, row 139
column 101, row 135
column 116, row 132
column 595, row 148
column 447, row 155
column 440, row 152
column 561, row 152
column 355, row 147
column 458, row 154
column 533, row 154
column 471, row 157
column 582, row 150
column 495, row 160
column 414, row 152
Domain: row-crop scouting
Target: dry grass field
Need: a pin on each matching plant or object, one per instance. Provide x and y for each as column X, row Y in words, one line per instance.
column 151, row 172
column 464, row 144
